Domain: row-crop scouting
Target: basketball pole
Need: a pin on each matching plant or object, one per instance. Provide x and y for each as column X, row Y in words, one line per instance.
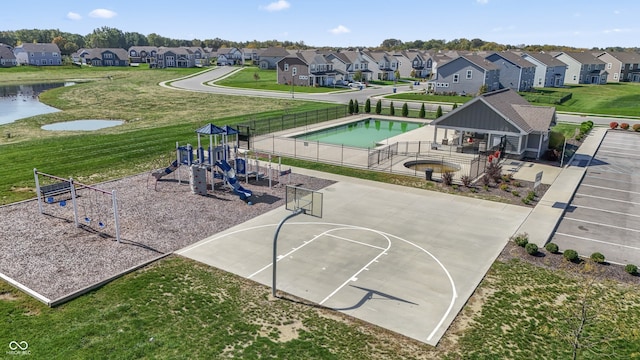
column 275, row 247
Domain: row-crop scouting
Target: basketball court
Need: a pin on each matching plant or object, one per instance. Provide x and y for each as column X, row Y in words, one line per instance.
column 403, row 259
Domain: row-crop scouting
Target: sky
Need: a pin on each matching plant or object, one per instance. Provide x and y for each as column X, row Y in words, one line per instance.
column 340, row 23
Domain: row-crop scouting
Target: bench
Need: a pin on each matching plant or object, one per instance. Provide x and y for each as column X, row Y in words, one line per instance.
column 55, row 189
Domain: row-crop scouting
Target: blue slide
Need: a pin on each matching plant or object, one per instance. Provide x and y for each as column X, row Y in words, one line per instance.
column 160, row 173
column 230, row 177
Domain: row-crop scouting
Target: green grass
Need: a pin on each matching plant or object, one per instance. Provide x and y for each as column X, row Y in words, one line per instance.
column 267, row 80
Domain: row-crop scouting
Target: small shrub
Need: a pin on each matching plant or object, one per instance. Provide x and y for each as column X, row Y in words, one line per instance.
column 454, row 186
column 631, row 269
column 597, row 257
column 521, row 239
column 531, row 248
column 486, row 181
column 636, row 127
column 613, row 125
column 494, row 170
column 447, row 178
column 473, row 190
column 516, row 184
column 507, row 177
column 624, row 126
column 515, row 193
column 552, row 248
column 531, row 195
column 570, row 255
column 526, row 201
column 504, row 187
column 466, row 180
column 485, row 187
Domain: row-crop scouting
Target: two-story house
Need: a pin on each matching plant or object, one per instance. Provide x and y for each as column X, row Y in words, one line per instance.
column 105, row 57
column 515, row 72
column 359, row 63
column 583, row 68
column 341, row 65
column 39, row 54
column 269, row 57
column 7, row 58
column 143, row 54
column 621, row 66
column 421, row 63
column 550, row 71
column 386, row 65
column 292, row 70
column 229, row 56
column 200, row 56
column 175, row 57
column 466, row 75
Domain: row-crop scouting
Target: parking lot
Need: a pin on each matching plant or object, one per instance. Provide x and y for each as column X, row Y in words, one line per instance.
column 604, row 215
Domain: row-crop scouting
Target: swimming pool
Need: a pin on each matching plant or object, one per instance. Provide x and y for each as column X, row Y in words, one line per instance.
column 366, row 133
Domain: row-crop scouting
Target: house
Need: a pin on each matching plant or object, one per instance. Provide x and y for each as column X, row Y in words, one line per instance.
column 293, row 70
column 269, row 57
column 405, row 66
column 249, row 54
column 342, row 65
column 466, row 75
column 550, row 71
column 201, row 57
column 583, row 68
column 143, row 54
column 621, row 66
column 385, row 63
column 502, row 119
column 7, row 58
column 175, row 57
column 515, row 72
column 103, row 57
column 229, row 56
column 421, row 64
column 39, row 54
column 359, row 63
column 306, row 68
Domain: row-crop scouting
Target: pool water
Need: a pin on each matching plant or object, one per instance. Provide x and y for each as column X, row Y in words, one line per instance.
column 365, row 133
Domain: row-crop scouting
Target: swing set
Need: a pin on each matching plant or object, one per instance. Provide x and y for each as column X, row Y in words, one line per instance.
column 60, row 190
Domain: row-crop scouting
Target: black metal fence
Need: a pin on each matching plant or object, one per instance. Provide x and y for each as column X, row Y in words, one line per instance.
column 261, row 126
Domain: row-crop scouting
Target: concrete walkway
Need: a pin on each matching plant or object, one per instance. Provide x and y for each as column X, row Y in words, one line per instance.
column 543, row 220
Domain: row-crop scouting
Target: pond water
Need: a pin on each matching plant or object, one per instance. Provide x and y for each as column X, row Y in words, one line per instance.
column 21, row 101
column 82, row 125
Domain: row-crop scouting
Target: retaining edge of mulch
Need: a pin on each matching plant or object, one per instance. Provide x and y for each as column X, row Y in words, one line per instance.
column 24, row 288
column 86, row 289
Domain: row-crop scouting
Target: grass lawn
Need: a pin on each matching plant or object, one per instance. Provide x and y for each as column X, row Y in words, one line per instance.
column 267, row 80
column 178, row 308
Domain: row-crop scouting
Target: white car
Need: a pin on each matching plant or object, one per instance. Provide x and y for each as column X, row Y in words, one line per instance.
column 357, row 85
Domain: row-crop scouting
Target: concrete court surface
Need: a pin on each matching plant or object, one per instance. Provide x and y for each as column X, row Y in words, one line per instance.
column 605, row 211
column 404, row 259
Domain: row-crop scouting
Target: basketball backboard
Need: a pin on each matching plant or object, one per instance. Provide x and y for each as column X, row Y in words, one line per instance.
column 309, row 201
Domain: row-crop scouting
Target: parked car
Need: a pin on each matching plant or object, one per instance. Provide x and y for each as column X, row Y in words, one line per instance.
column 357, row 85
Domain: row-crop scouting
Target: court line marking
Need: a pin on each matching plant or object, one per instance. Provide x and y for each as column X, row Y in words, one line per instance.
column 605, row 198
column 454, row 292
column 598, row 241
column 605, row 210
column 357, row 242
column 601, row 224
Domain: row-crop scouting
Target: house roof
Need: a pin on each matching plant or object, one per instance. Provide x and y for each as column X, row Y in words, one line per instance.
column 175, row 50
column 546, row 59
column 624, row 57
column 480, row 61
column 513, row 108
column 274, row 51
column 96, row 53
column 39, row 47
column 514, row 58
column 144, row 48
column 583, row 57
column 5, row 53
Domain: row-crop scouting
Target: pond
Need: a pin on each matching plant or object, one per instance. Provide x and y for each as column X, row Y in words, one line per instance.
column 21, row 101
column 82, row 125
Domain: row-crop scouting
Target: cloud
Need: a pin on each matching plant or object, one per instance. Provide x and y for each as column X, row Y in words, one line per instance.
column 482, row 2
column 340, row 29
column 73, row 16
column 617, row 12
column 616, row 31
column 277, row 6
column 102, row 13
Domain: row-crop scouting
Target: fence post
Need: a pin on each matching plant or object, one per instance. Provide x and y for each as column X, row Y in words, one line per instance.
column 318, row 151
column 341, row 154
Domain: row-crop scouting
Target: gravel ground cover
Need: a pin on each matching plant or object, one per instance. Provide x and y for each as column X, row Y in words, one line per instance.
column 49, row 255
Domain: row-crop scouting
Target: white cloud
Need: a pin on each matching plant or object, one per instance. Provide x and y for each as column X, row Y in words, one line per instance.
column 617, row 12
column 482, row 1
column 73, row 16
column 277, row 6
column 102, row 13
column 340, row 29
column 615, row 31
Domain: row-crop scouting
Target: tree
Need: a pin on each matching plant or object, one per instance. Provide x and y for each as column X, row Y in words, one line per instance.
column 396, row 76
column 379, row 107
column 483, row 89
column 351, row 106
column 455, row 106
column 439, row 111
column 405, row 110
column 256, row 76
column 392, row 110
column 357, row 76
column 367, row 106
column 356, row 107
column 413, row 73
column 422, row 114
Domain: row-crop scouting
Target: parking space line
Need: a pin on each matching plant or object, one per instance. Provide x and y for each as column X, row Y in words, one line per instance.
column 609, row 199
column 598, row 241
column 601, row 224
column 604, row 210
column 612, row 189
column 589, row 176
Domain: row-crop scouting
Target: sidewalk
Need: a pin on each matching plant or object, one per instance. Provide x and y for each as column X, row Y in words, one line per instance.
column 544, row 218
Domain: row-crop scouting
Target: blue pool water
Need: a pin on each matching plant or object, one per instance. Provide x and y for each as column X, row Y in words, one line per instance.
column 365, row 133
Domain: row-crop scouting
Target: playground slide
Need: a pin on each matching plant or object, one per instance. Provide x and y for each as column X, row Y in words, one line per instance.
column 161, row 173
column 230, row 176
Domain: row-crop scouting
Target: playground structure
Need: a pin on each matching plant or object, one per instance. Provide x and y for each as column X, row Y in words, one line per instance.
column 53, row 190
column 220, row 160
